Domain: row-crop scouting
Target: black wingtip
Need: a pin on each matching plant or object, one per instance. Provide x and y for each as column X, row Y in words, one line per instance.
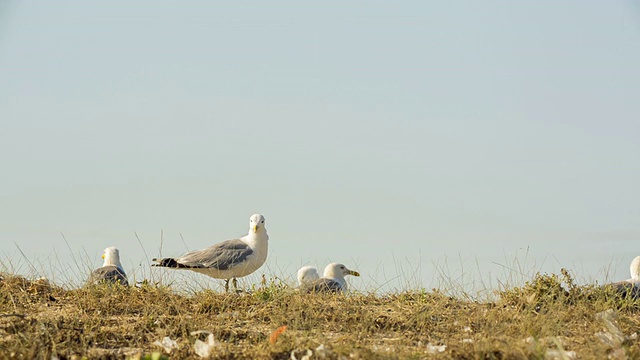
column 172, row 263
column 167, row 262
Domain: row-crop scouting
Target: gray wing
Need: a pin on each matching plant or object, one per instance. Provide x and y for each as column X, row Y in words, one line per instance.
column 109, row 274
column 222, row 256
column 324, row 285
column 625, row 288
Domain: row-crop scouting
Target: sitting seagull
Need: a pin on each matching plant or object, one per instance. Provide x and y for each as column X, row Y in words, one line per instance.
column 307, row 275
column 630, row 286
column 229, row 259
column 332, row 279
column 111, row 271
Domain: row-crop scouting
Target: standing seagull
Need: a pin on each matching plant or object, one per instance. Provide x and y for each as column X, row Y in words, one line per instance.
column 630, row 286
column 111, row 271
column 332, row 279
column 229, row 259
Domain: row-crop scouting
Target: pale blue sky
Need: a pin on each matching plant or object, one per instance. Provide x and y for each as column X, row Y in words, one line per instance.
column 370, row 133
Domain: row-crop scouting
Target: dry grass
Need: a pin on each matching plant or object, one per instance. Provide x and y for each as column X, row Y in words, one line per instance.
column 549, row 313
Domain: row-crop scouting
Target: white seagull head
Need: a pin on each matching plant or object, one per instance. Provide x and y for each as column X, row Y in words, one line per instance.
column 635, row 270
column 307, row 275
column 338, row 271
column 111, row 256
column 256, row 223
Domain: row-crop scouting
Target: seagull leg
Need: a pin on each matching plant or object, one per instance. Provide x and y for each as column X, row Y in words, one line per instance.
column 226, row 285
column 235, row 284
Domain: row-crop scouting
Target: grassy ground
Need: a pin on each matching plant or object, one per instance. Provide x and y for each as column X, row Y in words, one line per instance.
column 549, row 317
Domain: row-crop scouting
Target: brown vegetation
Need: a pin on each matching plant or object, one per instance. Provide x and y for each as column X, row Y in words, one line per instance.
column 549, row 317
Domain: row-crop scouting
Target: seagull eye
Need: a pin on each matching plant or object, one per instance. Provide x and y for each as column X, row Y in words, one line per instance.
column 262, row 221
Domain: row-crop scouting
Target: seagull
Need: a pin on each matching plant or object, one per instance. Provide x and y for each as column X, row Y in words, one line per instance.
column 630, row 286
column 332, row 280
column 111, row 271
column 307, row 275
column 229, row 259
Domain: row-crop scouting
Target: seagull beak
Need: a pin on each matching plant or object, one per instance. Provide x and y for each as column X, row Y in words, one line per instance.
column 255, row 228
column 103, row 256
column 354, row 273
